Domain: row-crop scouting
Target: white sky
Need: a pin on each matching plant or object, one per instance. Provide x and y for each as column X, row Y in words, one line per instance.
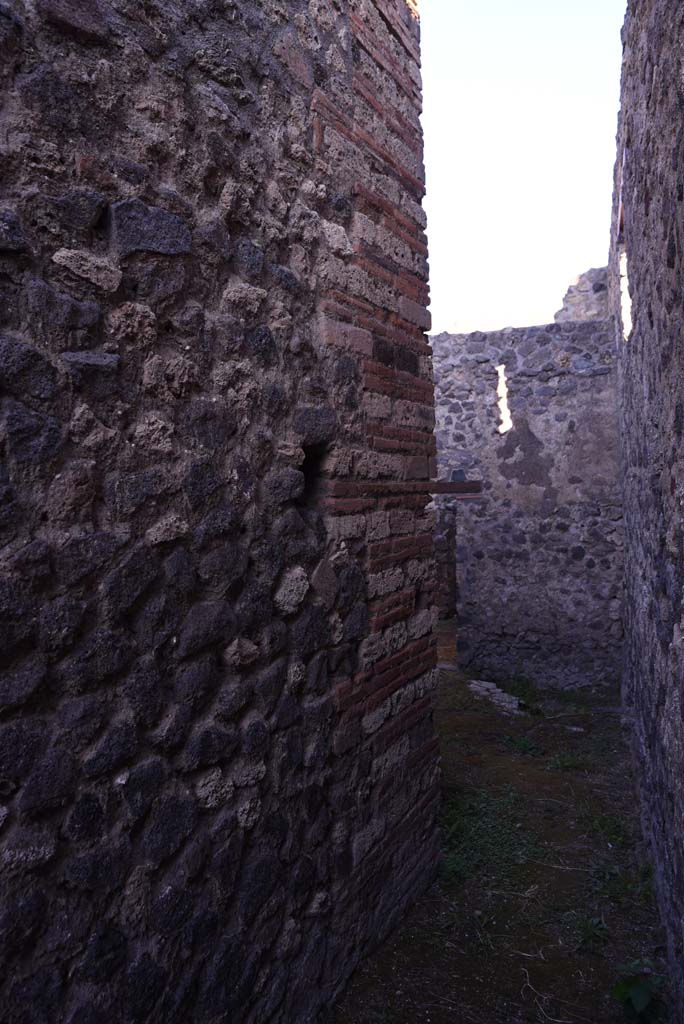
column 521, row 101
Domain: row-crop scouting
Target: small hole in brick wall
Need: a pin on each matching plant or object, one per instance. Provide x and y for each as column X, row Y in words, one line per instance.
column 506, row 423
column 312, row 468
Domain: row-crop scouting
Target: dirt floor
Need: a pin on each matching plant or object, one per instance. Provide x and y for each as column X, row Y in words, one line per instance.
column 543, row 911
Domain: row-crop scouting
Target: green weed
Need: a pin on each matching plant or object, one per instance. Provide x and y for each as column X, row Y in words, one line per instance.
column 524, row 745
column 610, row 827
column 574, row 700
column 592, row 933
column 482, row 831
column 638, row 990
column 617, row 885
column 568, row 763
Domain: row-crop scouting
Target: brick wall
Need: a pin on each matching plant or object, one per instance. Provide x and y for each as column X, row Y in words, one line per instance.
column 219, row 774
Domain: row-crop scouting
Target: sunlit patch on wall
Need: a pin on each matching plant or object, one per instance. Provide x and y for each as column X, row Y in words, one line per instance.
column 625, row 296
column 502, row 394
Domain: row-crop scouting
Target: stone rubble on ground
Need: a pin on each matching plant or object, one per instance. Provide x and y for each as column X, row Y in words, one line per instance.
column 505, row 702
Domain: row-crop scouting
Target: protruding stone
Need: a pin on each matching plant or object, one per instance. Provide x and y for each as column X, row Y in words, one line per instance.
column 84, row 361
column 503, row 701
column 21, row 683
column 170, row 528
column 24, row 370
column 315, row 424
column 292, row 590
column 242, row 299
column 142, row 228
column 95, row 269
column 206, row 624
column 336, row 238
column 133, row 323
column 28, row 848
column 50, row 784
column 171, row 824
column 32, row 437
column 12, row 237
column 81, row 18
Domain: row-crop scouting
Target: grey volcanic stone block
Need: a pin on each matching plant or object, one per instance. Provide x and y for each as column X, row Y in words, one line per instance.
column 12, row 237
column 77, row 210
column 259, row 881
column 124, row 585
column 50, row 784
column 250, row 258
column 19, row 684
column 25, row 372
column 284, row 486
column 10, row 39
column 206, row 624
column 260, row 344
column 116, row 747
column 83, row 19
column 93, row 361
column 33, row 438
column 145, row 982
column 211, row 745
column 226, row 979
column 100, row 869
column 104, row 955
column 143, row 785
column 86, row 819
column 142, row 228
column 59, row 320
column 315, row 424
column 21, row 743
column 168, row 828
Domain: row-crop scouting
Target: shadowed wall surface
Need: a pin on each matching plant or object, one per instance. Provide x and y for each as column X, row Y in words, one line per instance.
column 217, row 763
column 648, row 230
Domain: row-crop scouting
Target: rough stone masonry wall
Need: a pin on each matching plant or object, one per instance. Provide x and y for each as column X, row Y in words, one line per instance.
column 537, row 560
column 217, row 765
column 586, row 298
column 648, row 229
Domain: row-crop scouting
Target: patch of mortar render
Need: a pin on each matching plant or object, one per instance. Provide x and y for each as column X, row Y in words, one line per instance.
column 502, row 394
column 625, row 296
column 505, row 702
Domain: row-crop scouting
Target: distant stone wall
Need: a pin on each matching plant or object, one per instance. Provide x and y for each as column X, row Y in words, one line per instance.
column 218, row 773
column 586, row 298
column 647, row 270
column 538, row 558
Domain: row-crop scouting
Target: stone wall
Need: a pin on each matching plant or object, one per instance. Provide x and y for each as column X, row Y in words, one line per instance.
column 217, row 763
column 586, row 298
column 538, row 558
column 648, row 255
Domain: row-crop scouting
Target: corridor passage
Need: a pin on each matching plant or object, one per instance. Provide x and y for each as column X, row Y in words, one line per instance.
column 545, row 892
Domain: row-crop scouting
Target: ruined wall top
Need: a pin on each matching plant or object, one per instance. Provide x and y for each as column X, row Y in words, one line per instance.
column 586, row 298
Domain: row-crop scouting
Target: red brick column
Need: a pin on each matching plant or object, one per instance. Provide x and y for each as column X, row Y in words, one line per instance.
column 378, row 494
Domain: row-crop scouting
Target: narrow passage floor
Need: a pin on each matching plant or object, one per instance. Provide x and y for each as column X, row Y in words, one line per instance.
column 545, row 893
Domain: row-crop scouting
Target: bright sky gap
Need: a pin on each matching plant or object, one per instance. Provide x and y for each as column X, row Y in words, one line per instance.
column 520, row 116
